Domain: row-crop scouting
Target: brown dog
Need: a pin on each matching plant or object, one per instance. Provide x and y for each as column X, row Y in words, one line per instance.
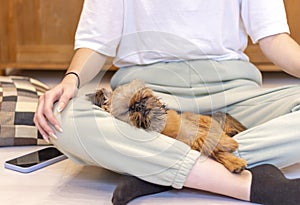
column 136, row 104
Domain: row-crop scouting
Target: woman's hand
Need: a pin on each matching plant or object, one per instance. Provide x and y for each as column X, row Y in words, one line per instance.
column 44, row 116
column 85, row 61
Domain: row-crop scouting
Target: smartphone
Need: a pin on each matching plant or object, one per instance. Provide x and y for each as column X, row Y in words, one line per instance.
column 35, row 160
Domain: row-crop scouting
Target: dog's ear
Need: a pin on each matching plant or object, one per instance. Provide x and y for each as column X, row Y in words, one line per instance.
column 106, row 94
column 91, row 96
column 100, row 97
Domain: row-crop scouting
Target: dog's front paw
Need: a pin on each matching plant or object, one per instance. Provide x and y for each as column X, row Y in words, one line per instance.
column 231, row 162
column 237, row 165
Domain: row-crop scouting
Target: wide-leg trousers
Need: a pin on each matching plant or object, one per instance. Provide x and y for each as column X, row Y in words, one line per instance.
column 93, row 137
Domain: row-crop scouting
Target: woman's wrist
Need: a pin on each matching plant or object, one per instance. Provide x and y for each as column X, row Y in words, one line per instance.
column 74, row 77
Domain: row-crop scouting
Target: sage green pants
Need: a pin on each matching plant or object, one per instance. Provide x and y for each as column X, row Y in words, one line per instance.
column 91, row 136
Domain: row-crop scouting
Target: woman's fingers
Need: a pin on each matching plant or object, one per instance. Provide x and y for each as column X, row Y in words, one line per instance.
column 40, row 121
column 44, row 117
column 42, row 132
column 47, row 111
column 65, row 98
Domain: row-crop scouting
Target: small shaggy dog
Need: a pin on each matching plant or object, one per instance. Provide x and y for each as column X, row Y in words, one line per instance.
column 136, row 104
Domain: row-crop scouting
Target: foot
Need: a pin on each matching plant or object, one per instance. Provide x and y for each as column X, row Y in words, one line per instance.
column 131, row 187
column 270, row 187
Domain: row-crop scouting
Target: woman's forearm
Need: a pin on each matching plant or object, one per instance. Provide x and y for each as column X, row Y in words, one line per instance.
column 283, row 51
column 86, row 63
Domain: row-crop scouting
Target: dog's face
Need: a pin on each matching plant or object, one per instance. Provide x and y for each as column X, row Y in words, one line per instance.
column 136, row 104
column 147, row 111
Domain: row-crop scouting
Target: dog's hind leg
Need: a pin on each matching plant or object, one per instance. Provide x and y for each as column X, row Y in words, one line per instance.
column 229, row 124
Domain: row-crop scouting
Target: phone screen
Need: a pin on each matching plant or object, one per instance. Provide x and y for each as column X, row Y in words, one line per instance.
column 35, row 158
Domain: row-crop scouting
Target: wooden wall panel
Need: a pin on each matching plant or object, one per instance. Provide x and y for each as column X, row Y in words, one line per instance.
column 38, row 33
column 58, row 23
column 293, row 15
column 47, row 35
column 4, row 32
column 7, row 32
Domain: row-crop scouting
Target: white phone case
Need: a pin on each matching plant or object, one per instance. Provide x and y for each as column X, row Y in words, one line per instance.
column 20, row 164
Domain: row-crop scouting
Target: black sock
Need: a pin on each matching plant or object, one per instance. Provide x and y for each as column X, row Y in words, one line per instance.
column 270, row 187
column 131, row 187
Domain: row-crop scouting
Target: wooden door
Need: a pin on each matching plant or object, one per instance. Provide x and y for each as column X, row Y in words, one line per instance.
column 38, row 33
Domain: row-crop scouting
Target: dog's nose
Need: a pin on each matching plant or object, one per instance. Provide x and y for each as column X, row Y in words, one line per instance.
column 137, row 107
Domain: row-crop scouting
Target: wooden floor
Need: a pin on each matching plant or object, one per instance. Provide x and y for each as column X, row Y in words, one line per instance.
column 67, row 183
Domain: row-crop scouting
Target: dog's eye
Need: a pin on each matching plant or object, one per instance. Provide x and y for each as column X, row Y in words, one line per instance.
column 147, row 111
column 132, row 109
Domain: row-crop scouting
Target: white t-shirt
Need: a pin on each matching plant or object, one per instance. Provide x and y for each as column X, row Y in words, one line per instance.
column 147, row 31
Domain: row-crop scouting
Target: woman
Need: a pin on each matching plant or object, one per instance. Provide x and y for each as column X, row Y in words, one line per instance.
column 191, row 54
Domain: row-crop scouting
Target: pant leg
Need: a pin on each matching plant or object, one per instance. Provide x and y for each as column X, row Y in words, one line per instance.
column 275, row 142
column 272, row 117
column 91, row 136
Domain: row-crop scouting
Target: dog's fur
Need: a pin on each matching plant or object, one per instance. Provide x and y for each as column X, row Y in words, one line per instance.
column 136, row 104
